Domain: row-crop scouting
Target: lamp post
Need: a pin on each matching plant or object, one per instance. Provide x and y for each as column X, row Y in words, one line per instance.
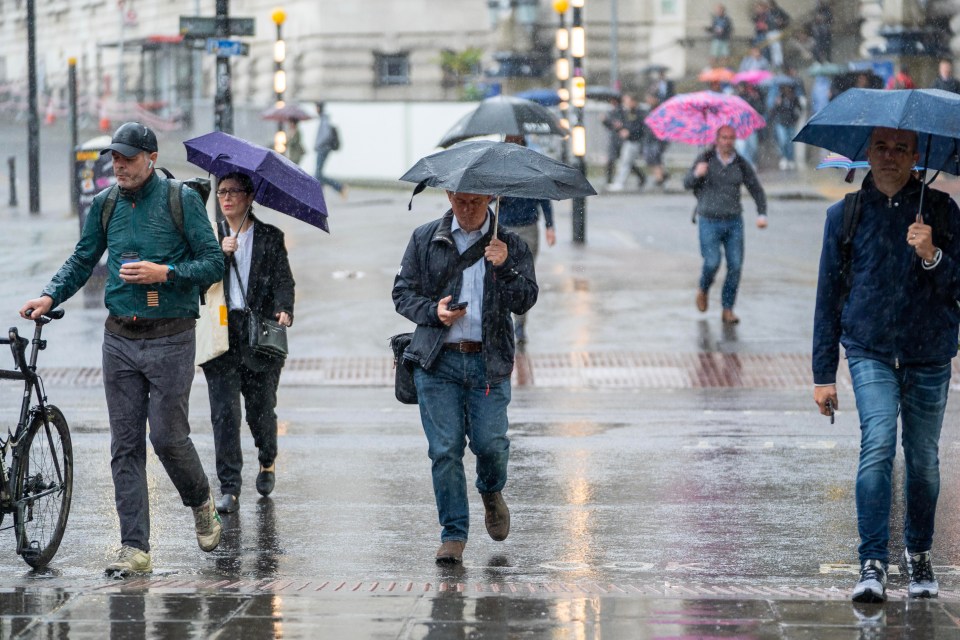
column 578, row 134
column 563, row 69
column 279, row 16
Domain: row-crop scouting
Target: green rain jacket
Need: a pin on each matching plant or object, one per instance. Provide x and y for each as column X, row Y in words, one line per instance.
column 142, row 222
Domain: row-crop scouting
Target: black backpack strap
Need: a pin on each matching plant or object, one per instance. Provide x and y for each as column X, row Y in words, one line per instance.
column 851, row 218
column 175, row 197
column 108, row 206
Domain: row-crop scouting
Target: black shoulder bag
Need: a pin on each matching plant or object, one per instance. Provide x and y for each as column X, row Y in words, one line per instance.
column 265, row 336
column 404, row 388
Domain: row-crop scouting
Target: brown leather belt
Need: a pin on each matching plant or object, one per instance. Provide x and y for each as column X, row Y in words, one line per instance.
column 464, row 346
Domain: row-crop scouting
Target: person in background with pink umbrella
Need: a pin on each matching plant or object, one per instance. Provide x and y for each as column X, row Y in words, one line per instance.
column 715, row 178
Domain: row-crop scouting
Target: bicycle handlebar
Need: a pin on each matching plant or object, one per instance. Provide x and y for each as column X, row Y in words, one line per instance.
column 18, row 346
column 53, row 314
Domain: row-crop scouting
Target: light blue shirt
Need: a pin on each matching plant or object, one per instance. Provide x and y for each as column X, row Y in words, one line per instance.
column 470, row 326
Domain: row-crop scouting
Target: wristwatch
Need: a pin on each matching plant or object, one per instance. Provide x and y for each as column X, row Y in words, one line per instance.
column 171, row 272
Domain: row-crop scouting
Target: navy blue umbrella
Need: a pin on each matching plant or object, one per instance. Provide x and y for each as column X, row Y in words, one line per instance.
column 546, row 97
column 278, row 183
column 845, row 124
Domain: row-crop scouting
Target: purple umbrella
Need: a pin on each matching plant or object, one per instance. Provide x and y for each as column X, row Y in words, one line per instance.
column 278, row 183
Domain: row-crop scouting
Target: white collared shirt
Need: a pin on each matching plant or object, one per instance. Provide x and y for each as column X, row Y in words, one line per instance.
column 470, row 326
column 241, row 257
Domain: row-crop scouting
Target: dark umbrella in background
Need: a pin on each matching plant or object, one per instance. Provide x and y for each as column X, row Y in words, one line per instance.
column 278, row 183
column 506, row 116
column 600, row 92
column 498, row 169
column 546, row 97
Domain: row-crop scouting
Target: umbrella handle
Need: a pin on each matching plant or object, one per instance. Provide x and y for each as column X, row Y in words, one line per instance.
column 496, row 217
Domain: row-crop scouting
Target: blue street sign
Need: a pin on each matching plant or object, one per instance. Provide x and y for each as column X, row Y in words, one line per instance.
column 226, row 47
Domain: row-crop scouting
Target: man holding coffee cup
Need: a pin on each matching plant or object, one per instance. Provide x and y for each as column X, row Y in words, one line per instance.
column 157, row 269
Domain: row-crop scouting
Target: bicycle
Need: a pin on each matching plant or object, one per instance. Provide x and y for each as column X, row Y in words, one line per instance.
column 38, row 485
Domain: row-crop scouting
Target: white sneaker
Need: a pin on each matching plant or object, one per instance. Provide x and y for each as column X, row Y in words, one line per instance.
column 614, row 187
column 209, row 528
column 130, row 560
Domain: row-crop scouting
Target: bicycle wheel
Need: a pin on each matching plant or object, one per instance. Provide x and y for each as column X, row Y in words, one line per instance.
column 43, row 488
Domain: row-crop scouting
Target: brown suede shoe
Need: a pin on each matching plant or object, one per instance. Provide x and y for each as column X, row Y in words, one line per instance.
column 728, row 317
column 701, row 300
column 451, row 552
column 497, row 516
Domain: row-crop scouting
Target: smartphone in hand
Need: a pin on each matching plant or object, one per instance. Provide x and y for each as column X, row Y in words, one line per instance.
column 456, row 306
column 830, row 410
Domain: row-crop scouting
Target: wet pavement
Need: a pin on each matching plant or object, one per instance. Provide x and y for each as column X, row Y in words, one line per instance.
column 670, row 477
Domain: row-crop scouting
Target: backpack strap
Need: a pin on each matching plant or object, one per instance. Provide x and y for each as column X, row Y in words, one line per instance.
column 175, row 200
column 108, row 206
column 851, row 218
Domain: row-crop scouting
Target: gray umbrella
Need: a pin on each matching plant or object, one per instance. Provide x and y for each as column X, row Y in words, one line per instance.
column 498, row 169
column 507, row 116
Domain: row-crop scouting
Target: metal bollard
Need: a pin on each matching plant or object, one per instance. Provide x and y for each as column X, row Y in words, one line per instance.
column 12, row 164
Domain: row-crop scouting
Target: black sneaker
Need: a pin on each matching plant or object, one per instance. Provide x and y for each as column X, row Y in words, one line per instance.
column 872, row 586
column 919, row 568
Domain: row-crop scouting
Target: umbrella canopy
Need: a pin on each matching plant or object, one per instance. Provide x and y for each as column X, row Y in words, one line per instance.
column 287, row 112
column 778, row 80
column 845, row 124
column 504, row 115
column 837, row 161
column 753, row 76
column 546, row 97
column 825, row 69
column 654, row 68
column 694, row 118
column 716, row 74
column 278, row 183
column 498, row 169
column 602, row 93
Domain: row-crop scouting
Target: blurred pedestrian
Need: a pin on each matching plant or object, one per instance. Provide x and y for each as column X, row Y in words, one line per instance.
column 662, row 87
column 654, row 147
column 157, row 266
column 784, row 115
column 631, row 136
column 295, row 150
column 821, row 31
column 945, row 80
column 328, row 139
column 901, row 80
column 258, row 281
column 463, row 358
column 747, row 147
column 720, row 30
column 613, row 121
column 716, row 178
column 888, row 295
column 521, row 215
column 754, row 61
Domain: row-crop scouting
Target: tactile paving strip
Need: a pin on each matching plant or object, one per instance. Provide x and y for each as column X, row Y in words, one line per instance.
column 549, row 589
column 599, row 370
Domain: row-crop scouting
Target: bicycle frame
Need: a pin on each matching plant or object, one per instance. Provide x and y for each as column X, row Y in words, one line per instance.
column 26, row 371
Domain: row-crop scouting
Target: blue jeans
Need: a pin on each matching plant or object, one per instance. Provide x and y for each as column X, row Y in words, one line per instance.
column 322, row 154
column 919, row 395
column 726, row 233
column 785, row 140
column 457, row 404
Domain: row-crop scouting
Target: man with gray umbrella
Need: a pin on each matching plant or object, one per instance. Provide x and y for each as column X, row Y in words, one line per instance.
column 887, row 291
column 459, row 281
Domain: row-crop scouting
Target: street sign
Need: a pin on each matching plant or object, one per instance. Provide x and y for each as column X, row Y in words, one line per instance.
column 223, row 47
column 204, row 27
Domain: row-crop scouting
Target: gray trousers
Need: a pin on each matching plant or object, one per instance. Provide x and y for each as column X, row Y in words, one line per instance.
column 530, row 234
column 150, row 380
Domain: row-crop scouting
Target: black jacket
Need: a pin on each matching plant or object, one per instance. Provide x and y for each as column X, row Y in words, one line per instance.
column 509, row 288
column 269, row 291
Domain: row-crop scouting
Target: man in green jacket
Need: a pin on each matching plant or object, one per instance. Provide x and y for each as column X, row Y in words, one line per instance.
column 157, row 268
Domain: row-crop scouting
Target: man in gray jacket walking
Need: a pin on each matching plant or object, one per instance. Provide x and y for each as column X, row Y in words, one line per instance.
column 715, row 178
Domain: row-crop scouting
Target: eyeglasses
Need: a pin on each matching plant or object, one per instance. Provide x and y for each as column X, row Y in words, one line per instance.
column 226, row 193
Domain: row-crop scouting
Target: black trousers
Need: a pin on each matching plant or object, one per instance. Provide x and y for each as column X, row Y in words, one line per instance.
column 259, row 391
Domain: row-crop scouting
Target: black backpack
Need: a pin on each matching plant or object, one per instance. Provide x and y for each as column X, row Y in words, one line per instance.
column 939, row 212
column 175, row 196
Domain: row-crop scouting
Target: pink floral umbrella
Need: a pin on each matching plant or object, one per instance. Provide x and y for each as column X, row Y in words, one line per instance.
column 753, row 76
column 693, row 118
